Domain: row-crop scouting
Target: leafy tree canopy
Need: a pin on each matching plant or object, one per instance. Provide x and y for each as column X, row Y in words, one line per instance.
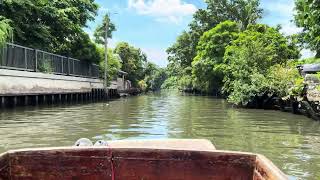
column 249, row 59
column 154, row 77
column 51, row 25
column 210, row 52
column 244, row 12
column 133, row 61
column 308, row 17
column 182, row 53
column 5, row 30
column 100, row 31
column 114, row 63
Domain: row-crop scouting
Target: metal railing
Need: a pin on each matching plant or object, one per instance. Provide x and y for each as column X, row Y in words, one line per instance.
column 23, row 58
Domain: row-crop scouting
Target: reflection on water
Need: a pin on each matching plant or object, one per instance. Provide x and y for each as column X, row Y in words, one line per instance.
column 292, row 142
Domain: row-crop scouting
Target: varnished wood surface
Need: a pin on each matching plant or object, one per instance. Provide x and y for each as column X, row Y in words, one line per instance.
column 136, row 164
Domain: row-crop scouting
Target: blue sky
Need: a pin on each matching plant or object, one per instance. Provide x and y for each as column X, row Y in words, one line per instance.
column 153, row 25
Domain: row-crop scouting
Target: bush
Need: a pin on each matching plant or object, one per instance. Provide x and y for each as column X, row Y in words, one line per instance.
column 255, row 65
column 45, row 66
column 5, row 30
column 170, row 83
column 142, row 85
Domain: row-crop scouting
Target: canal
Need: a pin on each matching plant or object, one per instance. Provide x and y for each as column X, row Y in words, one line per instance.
column 292, row 142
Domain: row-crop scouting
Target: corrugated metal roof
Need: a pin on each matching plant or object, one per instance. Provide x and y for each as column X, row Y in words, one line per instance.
column 311, row 68
column 122, row 72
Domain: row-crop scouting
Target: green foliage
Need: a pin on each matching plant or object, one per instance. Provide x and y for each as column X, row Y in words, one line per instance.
column 158, row 79
column 113, row 64
column 298, row 87
column 182, row 53
column 133, row 61
column 185, row 82
column 82, row 48
column 249, row 60
column 5, row 30
column 279, row 80
column 100, row 31
column 142, row 85
column 310, row 61
column 308, row 17
column 283, row 80
column 297, row 62
column 154, row 77
column 144, row 75
column 170, row 83
column 317, row 76
column 52, row 25
column 244, row 12
column 210, row 51
column 155, row 81
column 45, row 66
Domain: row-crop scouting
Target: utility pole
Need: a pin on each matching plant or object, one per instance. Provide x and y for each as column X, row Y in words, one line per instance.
column 106, row 56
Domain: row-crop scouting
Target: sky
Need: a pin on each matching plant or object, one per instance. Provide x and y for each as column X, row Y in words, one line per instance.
column 154, row 25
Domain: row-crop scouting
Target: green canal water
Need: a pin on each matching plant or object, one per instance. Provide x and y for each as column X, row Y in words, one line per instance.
column 292, row 142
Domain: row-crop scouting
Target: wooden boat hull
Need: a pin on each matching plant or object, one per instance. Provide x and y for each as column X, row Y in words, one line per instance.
column 122, row 163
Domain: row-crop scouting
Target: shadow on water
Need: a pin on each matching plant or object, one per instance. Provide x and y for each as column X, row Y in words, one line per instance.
column 292, row 142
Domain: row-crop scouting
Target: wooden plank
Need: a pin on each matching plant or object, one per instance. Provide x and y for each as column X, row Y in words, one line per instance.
column 4, row 166
column 266, row 170
column 131, row 164
column 177, row 164
column 174, row 144
column 126, row 161
column 84, row 164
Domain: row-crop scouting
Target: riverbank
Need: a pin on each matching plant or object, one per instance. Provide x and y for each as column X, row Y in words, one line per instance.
column 307, row 105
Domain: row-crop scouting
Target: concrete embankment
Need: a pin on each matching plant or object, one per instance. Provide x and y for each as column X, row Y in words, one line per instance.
column 32, row 88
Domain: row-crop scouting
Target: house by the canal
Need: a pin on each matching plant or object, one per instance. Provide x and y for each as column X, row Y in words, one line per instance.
column 309, row 71
column 120, row 83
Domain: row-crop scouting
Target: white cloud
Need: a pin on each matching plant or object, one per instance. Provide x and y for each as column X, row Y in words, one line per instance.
column 281, row 12
column 156, row 56
column 163, row 10
column 112, row 43
column 89, row 31
column 307, row 53
column 290, row 29
column 281, row 8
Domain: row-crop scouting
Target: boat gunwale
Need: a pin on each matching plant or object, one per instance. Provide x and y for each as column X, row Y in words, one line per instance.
column 263, row 168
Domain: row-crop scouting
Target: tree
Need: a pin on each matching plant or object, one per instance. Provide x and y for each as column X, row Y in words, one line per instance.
column 100, row 31
column 154, row 77
column 81, row 48
column 114, row 64
column 244, row 12
column 52, row 25
column 133, row 61
column 158, row 79
column 249, row 59
column 210, row 51
column 182, row 53
column 308, row 17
